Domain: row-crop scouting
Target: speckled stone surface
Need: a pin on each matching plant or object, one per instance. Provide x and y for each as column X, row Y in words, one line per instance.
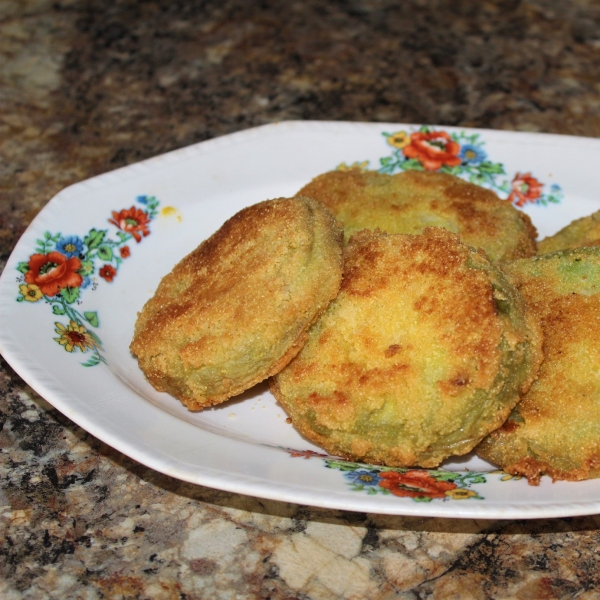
column 88, row 86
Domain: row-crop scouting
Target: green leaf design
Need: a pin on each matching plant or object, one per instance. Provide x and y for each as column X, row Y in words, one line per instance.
column 58, row 310
column 94, row 238
column 105, row 253
column 87, row 267
column 491, row 168
column 413, row 164
column 92, row 318
column 96, row 339
column 70, row 294
column 95, row 360
column 23, row 267
column 342, row 465
column 478, row 179
column 477, row 478
column 152, row 203
column 451, row 170
column 445, row 475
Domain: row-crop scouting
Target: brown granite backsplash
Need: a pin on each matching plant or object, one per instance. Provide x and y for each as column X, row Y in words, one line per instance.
column 90, row 85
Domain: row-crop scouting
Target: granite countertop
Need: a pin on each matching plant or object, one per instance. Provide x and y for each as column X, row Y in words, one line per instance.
column 90, row 85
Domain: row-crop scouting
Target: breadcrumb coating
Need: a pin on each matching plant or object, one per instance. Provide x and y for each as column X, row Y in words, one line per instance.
column 425, row 350
column 409, row 202
column 555, row 429
column 236, row 310
column 578, row 233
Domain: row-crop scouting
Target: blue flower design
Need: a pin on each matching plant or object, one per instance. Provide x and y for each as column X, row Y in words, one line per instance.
column 86, row 282
column 70, row 246
column 363, row 477
column 472, row 155
column 142, row 199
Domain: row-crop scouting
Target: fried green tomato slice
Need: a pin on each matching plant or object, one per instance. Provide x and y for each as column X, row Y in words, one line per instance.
column 424, row 351
column 410, row 201
column 236, row 310
column 555, row 429
column 578, row 233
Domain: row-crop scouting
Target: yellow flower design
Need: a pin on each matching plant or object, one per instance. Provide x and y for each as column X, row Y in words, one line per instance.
column 74, row 336
column 461, row 494
column 362, row 166
column 31, row 292
column 506, row 476
column 470, row 154
column 400, row 139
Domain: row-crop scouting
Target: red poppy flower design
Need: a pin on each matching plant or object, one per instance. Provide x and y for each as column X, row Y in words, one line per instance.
column 525, row 188
column 54, row 271
column 125, row 252
column 433, row 150
column 133, row 221
column 414, row 484
column 107, row 272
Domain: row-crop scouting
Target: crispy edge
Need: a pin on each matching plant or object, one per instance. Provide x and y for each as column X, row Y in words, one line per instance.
column 580, row 232
column 355, row 249
column 341, row 189
column 201, row 258
column 528, row 466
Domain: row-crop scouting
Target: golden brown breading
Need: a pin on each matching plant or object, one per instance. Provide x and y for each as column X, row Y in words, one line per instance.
column 236, row 310
column 555, row 429
column 578, row 233
column 410, row 201
column 423, row 352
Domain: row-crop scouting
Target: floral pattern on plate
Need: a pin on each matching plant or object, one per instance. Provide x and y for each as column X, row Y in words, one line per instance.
column 462, row 154
column 62, row 266
column 420, row 485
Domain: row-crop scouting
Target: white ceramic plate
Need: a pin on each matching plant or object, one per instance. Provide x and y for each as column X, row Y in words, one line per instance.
column 103, row 245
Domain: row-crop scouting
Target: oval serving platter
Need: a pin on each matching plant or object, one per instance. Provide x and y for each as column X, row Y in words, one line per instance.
column 72, row 287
